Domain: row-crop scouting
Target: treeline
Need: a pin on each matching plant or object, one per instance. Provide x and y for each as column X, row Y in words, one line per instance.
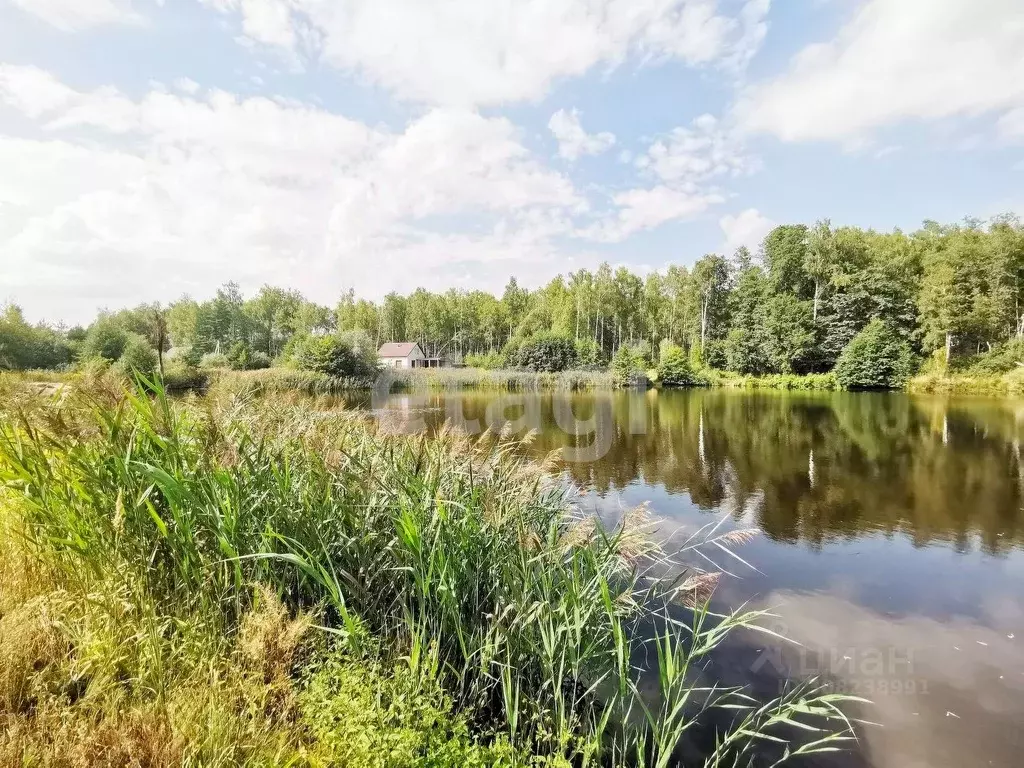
column 793, row 307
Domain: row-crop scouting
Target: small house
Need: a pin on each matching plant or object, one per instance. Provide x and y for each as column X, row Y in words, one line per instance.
column 406, row 354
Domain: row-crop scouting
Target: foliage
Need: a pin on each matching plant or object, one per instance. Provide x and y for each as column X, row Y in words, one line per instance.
column 332, row 356
column 24, row 346
column 1001, row 359
column 138, row 357
column 589, row 354
column 544, row 352
column 180, row 376
column 215, row 360
column 488, row 361
column 876, row 358
column 792, row 308
column 674, row 369
column 241, row 358
column 105, row 338
column 363, row 716
column 459, row 559
column 790, row 334
column 628, row 367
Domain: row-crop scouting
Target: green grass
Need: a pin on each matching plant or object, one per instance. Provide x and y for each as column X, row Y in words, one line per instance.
column 506, row 380
column 1005, row 384
column 249, row 580
column 711, row 377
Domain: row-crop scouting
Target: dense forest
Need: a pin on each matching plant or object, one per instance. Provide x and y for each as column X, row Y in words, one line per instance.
column 955, row 291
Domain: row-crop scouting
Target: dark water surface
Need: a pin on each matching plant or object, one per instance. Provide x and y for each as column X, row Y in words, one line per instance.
column 891, row 542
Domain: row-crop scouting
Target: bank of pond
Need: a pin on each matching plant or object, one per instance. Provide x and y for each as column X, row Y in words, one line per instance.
column 240, row 580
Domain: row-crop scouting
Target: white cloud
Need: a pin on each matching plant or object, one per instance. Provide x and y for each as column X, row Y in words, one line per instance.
column 746, row 229
column 573, row 141
column 684, row 164
column 118, row 200
column 641, row 209
column 185, row 85
column 1011, row 125
column 896, row 61
column 697, row 153
column 73, row 15
column 466, row 52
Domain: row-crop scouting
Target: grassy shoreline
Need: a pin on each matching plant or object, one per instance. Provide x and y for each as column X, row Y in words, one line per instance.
column 283, row 380
column 235, row 580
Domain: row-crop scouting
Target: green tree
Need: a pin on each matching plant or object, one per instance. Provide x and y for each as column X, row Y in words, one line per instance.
column 877, row 358
column 791, row 338
column 545, row 352
column 674, row 368
column 105, row 338
column 785, row 257
column 708, row 283
column 137, row 357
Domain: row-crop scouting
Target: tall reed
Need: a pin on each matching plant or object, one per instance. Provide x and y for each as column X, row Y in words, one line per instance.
column 459, row 557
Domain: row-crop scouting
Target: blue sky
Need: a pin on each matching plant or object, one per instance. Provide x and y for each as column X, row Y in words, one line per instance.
column 152, row 149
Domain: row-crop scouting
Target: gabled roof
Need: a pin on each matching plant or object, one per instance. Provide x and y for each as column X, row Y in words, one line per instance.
column 398, row 349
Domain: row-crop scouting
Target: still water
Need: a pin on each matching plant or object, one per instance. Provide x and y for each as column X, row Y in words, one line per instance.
column 890, row 544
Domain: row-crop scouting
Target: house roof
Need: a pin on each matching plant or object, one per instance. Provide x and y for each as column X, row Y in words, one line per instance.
column 397, row 349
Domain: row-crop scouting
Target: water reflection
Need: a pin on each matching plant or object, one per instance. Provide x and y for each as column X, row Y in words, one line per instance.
column 891, row 549
column 813, row 467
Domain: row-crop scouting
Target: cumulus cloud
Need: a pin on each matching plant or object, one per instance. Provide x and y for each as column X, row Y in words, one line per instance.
column 73, row 15
column 175, row 192
column 573, row 141
column 465, row 52
column 685, row 165
column 696, row 153
column 897, row 61
column 641, row 209
column 746, row 229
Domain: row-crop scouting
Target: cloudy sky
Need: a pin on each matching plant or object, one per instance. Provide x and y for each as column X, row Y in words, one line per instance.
column 150, row 148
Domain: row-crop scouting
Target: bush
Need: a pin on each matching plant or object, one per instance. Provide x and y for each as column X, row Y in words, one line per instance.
column 332, row 356
column 241, row 358
column 215, row 360
column 589, row 354
column 489, row 361
column 674, row 369
column 138, row 357
column 179, row 376
column 105, row 339
column 23, row 346
column 876, row 358
column 1003, row 359
column 545, row 352
column 365, row 350
column 628, row 368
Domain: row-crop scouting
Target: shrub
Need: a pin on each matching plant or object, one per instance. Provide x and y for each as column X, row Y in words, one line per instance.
column 365, row 350
column 215, row 360
column 138, row 357
column 179, row 376
column 674, row 369
column 488, row 361
column 1003, row 359
column 876, row 358
column 545, row 352
column 23, row 346
column 191, row 357
column 105, row 339
column 589, row 354
column 332, row 356
column 241, row 358
column 628, row 368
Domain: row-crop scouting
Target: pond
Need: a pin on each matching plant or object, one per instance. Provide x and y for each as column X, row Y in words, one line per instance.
column 890, row 539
